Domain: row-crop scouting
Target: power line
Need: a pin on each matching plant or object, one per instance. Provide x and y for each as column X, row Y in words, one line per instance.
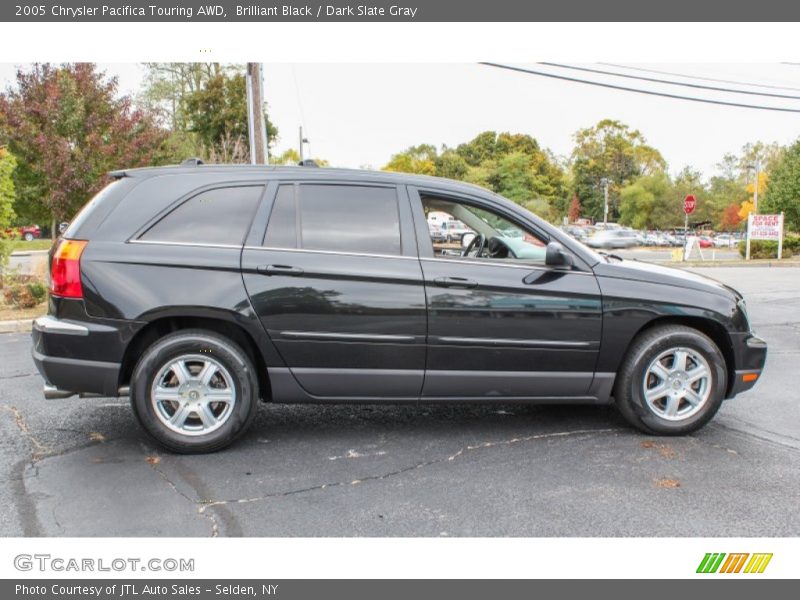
column 667, row 82
column 673, row 74
column 637, row 90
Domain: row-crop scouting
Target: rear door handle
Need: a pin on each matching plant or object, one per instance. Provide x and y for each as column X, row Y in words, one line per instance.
column 279, row 270
column 455, row 282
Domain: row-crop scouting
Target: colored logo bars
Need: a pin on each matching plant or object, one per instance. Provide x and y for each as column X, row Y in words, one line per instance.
column 718, row 563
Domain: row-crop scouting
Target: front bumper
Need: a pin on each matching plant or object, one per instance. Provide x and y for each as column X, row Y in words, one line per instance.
column 750, row 354
column 67, row 354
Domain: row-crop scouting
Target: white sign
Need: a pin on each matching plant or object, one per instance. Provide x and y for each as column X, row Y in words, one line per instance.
column 766, row 227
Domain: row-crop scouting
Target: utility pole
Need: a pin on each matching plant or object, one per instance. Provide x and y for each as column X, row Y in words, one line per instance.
column 255, row 111
column 604, row 182
column 755, row 188
column 302, row 141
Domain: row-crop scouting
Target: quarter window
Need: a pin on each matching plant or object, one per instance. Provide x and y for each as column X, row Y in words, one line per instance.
column 219, row 216
column 338, row 218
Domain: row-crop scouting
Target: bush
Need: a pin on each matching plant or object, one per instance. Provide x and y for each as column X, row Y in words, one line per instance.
column 769, row 248
column 23, row 291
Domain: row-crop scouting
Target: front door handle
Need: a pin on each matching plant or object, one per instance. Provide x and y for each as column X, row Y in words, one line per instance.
column 279, row 270
column 455, row 282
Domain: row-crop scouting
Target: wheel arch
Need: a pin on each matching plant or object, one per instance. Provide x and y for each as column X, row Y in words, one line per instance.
column 709, row 327
column 226, row 326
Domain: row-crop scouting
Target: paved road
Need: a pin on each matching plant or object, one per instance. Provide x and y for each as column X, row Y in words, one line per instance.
column 83, row 468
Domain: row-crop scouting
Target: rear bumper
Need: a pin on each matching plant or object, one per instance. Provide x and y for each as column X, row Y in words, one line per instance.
column 66, row 355
column 750, row 353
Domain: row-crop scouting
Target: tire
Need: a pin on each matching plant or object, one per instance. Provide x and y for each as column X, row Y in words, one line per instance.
column 672, row 408
column 28, row 237
column 176, row 363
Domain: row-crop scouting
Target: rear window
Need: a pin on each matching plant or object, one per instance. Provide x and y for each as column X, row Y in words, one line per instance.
column 83, row 215
column 218, row 216
column 336, row 218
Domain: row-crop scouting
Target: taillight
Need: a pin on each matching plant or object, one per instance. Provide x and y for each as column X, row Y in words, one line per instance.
column 65, row 270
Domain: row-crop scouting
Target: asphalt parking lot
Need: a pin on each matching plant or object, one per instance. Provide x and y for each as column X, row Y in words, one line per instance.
column 84, row 468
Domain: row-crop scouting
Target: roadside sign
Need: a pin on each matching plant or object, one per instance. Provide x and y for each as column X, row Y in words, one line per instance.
column 764, row 227
column 689, row 204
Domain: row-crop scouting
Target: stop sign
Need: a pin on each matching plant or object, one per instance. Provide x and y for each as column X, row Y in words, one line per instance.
column 689, row 204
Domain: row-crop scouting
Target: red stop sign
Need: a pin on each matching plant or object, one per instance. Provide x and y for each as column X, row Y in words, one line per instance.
column 689, row 204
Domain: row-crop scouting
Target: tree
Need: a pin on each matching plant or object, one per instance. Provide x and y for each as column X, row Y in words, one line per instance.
column 610, row 150
column 574, row 212
column 730, row 218
column 67, row 127
column 416, row 159
column 783, row 192
column 7, row 165
column 217, row 114
column 650, row 202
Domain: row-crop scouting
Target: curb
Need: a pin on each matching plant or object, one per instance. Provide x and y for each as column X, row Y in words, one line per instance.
column 24, row 253
column 21, row 326
column 742, row 263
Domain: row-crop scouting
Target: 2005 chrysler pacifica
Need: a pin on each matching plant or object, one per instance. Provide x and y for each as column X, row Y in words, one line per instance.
column 201, row 290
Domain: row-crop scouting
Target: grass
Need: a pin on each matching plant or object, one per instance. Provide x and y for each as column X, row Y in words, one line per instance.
column 22, row 245
column 8, row 313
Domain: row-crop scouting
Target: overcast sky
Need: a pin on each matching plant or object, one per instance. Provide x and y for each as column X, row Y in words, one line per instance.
column 360, row 114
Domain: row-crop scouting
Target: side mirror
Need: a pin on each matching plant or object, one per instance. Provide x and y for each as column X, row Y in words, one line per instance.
column 466, row 239
column 556, row 256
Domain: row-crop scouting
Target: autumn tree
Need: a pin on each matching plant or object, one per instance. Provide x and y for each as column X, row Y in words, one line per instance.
column 68, row 126
column 574, row 212
column 610, row 150
column 730, row 219
column 7, row 165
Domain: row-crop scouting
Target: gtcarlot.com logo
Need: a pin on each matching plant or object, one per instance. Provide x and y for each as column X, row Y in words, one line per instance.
column 738, row 562
column 46, row 562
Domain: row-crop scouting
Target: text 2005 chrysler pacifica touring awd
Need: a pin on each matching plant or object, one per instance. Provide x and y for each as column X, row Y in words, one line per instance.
column 201, row 290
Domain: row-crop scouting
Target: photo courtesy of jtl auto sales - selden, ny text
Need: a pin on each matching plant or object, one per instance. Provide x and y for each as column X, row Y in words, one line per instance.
column 482, row 300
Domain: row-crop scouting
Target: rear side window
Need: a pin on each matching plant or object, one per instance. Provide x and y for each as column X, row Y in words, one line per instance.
column 218, row 216
column 337, row 218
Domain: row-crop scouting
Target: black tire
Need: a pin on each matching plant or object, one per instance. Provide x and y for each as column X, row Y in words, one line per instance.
column 28, row 237
column 196, row 342
column 630, row 383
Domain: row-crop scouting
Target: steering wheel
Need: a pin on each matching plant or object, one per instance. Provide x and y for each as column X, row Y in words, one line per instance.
column 479, row 241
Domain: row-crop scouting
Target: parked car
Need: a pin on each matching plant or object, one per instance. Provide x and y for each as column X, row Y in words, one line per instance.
column 724, row 240
column 612, row 239
column 201, row 291
column 454, row 230
column 437, row 236
column 26, row 232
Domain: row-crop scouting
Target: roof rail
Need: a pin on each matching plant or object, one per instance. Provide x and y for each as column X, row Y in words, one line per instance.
column 309, row 162
column 192, row 162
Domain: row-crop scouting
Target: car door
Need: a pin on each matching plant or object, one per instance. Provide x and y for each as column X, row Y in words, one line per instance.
column 504, row 328
column 337, row 285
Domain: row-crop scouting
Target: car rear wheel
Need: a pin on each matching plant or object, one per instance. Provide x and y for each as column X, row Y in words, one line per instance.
column 28, row 237
column 194, row 391
column 672, row 381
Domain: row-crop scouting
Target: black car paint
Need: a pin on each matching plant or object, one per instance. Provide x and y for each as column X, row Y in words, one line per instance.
column 351, row 327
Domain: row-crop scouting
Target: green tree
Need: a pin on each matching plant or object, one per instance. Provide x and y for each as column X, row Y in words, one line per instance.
column 416, row 159
column 217, row 114
column 7, row 165
column 610, row 150
column 647, row 202
column 68, row 126
column 783, row 191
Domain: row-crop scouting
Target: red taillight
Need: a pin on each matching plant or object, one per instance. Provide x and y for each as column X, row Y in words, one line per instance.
column 65, row 270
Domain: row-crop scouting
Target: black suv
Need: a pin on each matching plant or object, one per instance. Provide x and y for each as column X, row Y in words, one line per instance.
column 201, row 290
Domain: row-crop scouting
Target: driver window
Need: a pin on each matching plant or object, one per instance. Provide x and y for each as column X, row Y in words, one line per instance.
column 460, row 230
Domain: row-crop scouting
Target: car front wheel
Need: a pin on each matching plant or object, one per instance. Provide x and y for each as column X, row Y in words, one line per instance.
column 672, row 382
column 194, row 391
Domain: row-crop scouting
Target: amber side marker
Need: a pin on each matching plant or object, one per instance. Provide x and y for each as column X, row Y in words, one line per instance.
column 749, row 377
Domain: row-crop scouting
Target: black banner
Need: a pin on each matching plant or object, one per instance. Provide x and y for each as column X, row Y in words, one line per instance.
column 399, row 10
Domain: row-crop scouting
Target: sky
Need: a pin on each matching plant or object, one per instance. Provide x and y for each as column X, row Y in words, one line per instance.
column 358, row 115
